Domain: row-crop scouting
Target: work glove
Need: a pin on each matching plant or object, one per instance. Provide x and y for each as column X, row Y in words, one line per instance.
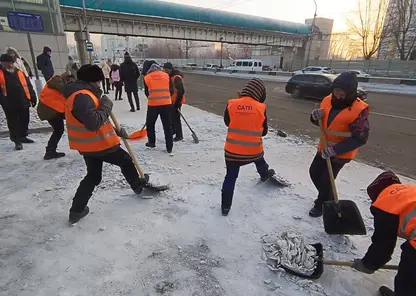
column 359, row 266
column 33, row 102
column 317, row 114
column 106, row 104
column 328, row 153
column 122, row 133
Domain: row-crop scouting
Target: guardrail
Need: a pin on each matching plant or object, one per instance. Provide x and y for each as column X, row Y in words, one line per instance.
column 385, row 80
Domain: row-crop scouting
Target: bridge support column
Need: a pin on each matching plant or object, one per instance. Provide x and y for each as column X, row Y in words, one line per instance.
column 81, row 39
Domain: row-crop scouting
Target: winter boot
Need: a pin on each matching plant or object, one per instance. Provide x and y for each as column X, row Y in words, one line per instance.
column 316, row 211
column 137, row 187
column 18, row 146
column 53, row 154
column 385, row 291
column 26, row 140
column 150, row 145
column 226, row 201
column 132, row 110
column 75, row 217
column 177, row 139
column 270, row 173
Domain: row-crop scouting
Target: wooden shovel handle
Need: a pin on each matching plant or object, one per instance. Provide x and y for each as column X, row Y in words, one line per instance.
column 350, row 263
column 136, row 164
column 328, row 161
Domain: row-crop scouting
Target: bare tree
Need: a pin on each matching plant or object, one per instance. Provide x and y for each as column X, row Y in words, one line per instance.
column 401, row 26
column 342, row 47
column 369, row 26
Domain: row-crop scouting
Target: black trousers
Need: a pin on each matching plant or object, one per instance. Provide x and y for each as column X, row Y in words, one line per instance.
column 94, row 174
column 103, row 84
column 320, row 177
column 119, row 90
column 107, row 83
column 404, row 280
column 136, row 98
column 153, row 113
column 17, row 122
column 57, row 125
column 176, row 122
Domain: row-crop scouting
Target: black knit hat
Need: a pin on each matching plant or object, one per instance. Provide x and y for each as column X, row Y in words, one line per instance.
column 90, row 73
column 168, row 66
column 6, row 58
column 126, row 54
column 383, row 181
column 256, row 89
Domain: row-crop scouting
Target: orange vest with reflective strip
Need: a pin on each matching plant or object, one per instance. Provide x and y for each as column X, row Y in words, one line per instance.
column 400, row 199
column 158, row 85
column 82, row 139
column 52, row 98
column 244, row 136
column 339, row 129
column 175, row 94
column 22, row 79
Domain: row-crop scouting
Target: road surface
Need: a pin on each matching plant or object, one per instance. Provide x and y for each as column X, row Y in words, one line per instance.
column 392, row 140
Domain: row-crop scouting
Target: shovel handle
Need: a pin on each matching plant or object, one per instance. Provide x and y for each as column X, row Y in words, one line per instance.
column 136, row 164
column 183, row 117
column 350, row 263
column 328, row 161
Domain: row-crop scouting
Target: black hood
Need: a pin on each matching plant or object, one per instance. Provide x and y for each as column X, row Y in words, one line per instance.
column 46, row 49
column 77, row 85
column 146, row 66
column 348, row 82
column 175, row 72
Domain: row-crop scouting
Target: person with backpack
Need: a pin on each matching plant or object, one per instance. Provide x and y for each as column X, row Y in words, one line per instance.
column 115, row 78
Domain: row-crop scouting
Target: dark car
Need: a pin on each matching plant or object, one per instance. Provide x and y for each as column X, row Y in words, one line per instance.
column 316, row 86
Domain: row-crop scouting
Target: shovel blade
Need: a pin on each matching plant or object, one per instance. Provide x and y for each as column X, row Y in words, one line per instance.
column 196, row 140
column 319, row 269
column 343, row 217
column 138, row 134
column 153, row 187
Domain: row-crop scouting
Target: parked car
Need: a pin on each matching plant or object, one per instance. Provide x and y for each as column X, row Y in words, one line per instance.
column 267, row 68
column 314, row 69
column 316, row 86
column 360, row 73
column 191, row 65
column 211, row 66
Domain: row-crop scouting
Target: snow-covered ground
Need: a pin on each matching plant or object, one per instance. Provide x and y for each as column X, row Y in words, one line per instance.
column 177, row 243
column 372, row 87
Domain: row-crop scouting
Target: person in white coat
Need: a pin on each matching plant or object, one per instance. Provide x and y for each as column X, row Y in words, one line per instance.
column 106, row 71
column 18, row 63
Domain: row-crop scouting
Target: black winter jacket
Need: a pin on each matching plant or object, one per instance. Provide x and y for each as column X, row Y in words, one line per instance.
column 129, row 73
column 178, row 85
column 84, row 111
column 16, row 97
column 44, row 64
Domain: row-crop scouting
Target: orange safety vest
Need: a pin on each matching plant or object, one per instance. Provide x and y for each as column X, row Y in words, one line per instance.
column 175, row 94
column 400, row 199
column 339, row 129
column 158, row 84
column 52, row 98
column 22, row 79
column 82, row 139
column 244, row 136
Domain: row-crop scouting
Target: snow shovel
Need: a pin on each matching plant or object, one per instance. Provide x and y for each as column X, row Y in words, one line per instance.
column 196, row 140
column 340, row 216
column 143, row 176
column 138, row 134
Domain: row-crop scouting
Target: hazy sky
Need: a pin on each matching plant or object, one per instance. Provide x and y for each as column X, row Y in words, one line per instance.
column 289, row 10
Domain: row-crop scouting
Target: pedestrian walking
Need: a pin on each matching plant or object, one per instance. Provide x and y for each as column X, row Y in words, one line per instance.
column 158, row 89
column 16, row 97
column 91, row 133
column 244, row 144
column 115, row 77
column 178, row 98
column 44, row 63
column 106, row 71
column 129, row 73
column 345, row 121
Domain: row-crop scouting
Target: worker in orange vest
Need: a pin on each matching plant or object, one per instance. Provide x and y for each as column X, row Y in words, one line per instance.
column 393, row 206
column 91, row 133
column 346, row 125
column 246, row 119
column 51, row 107
column 158, row 89
column 16, row 97
column 178, row 98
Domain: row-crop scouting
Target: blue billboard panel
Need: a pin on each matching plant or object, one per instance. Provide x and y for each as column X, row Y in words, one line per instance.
column 23, row 21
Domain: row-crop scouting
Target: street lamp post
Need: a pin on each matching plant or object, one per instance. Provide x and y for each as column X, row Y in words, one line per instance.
column 221, row 52
column 311, row 35
column 84, row 9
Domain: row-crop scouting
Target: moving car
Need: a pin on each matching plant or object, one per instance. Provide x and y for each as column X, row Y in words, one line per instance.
column 247, row 65
column 360, row 73
column 314, row 69
column 191, row 65
column 211, row 66
column 316, row 86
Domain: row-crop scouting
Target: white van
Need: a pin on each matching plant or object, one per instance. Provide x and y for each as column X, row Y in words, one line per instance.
column 247, row 65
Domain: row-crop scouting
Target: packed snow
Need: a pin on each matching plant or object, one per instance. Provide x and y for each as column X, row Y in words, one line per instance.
column 176, row 243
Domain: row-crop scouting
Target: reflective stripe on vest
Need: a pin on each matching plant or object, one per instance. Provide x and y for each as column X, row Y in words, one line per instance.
column 400, row 200
column 339, row 129
column 82, row 139
column 22, row 79
column 175, row 94
column 158, row 83
column 52, row 98
column 244, row 135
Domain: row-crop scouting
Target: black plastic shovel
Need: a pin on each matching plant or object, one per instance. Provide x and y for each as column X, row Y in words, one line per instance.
column 340, row 216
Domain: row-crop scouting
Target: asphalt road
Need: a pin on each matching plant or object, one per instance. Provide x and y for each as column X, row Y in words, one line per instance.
column 392, row 140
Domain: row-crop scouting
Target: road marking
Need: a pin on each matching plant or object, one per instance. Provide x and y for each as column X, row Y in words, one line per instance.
column 393, row 116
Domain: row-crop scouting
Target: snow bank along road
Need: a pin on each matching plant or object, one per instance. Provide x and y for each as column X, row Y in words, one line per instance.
column 393, row 120
column 177, row 243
